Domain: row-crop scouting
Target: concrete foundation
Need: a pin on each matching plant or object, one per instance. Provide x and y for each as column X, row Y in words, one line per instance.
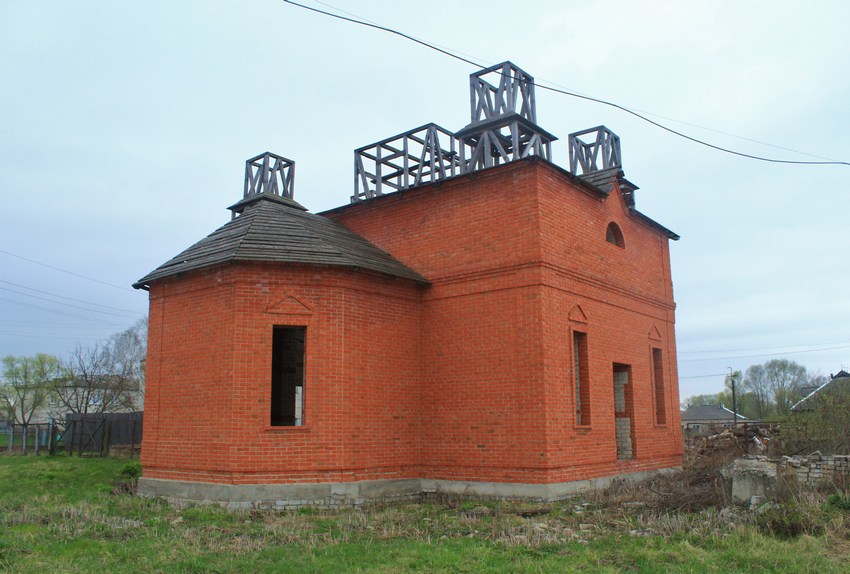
column 291, row 496
column 749, row 478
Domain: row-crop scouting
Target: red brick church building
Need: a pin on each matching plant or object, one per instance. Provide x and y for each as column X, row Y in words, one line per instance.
column 477, row 320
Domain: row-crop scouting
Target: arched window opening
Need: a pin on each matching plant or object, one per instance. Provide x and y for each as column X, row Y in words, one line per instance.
column 614, row 235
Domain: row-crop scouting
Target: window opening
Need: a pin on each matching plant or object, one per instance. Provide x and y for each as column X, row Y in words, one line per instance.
column 287, row 403
column 623, row 412
column 581, row 378
column 658, row 384
column 614, row 235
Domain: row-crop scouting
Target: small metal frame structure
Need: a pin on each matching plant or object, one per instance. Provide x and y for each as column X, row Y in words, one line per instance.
column 586, row 155
column 504, row 120
column 419, row 156
column 269, row 173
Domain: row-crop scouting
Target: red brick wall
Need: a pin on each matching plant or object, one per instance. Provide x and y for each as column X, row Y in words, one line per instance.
column 626, row 301
column 477, row 239
column 468, row 379
column 208, row 418
column 189, row 373
column 511, row 252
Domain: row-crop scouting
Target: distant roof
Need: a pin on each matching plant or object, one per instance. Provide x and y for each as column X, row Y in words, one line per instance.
column 840, row 378
column 708, row 413
column 275, row 229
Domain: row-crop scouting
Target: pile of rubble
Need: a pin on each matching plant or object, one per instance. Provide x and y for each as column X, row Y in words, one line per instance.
column 756, row 478
column 731, row 443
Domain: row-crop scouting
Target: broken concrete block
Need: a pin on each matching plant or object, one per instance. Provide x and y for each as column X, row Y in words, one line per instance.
column 747, row 478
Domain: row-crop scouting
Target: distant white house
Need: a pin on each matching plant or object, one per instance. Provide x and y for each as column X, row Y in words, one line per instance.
column 702, row 418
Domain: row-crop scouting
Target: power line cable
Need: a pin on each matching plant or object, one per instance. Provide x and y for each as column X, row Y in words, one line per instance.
column 765, row 354
column 649, row 113
column 68, row 298
column 702, row 127
column 49, row 337
column 352, row 14
column 89, row 309
column 364, row 19
column 736, row 136
column 65, row 313
column 48, row 324
column 54, row 327
column 757, row 348
column 65, row 271
column 571, row 93
column 385, row 29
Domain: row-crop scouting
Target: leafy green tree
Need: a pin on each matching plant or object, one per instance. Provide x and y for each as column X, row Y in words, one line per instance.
column 743, row 402
column 774, row 386
column 755, row 385
column 698, row 400
column 129, row 349
column 105, row 377
column 822, row 422
column 26, row 386
column 763, row 391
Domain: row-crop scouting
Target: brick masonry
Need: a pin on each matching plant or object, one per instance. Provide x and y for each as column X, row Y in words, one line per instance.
column 467, row 380
column 816, row 469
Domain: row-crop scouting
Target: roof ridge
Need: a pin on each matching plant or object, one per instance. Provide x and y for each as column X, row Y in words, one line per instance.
column 252, row 209
column 320, row 236
column 274, row 232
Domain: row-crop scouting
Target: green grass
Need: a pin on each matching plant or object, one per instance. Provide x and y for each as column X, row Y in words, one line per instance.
column 61, row 514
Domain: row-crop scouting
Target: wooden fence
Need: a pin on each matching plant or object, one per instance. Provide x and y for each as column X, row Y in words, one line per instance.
column 94, row 434
column 91, row 434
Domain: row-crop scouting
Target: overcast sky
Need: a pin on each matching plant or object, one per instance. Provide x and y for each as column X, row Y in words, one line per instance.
column 124, row 127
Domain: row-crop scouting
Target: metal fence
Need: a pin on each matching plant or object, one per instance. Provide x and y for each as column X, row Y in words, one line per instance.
column 23, row 439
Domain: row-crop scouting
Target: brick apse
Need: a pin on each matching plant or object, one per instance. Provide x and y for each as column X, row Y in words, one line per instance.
column 477, row 320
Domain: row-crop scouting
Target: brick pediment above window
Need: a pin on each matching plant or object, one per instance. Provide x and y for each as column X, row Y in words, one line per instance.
column 577, row 314
column 289, row 305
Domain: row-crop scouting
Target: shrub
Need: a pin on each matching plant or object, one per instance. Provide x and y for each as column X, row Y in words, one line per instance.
column 839, row 501
column 132, row 470
column 790, row 521
column 129, row 478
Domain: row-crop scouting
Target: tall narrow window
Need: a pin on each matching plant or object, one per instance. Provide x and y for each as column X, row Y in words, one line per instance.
column 580, row 376
column 658, row 384
column 287, row 405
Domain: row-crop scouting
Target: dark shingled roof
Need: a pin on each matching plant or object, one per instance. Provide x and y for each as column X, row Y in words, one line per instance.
column 279, row 230
column 709, row 413
column 602, row 179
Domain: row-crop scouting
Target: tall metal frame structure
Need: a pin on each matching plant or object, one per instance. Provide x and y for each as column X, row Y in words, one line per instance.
column 603, row 145
column 503, row 129
column 422, row 155
column 504, row 120
column 515, row 86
